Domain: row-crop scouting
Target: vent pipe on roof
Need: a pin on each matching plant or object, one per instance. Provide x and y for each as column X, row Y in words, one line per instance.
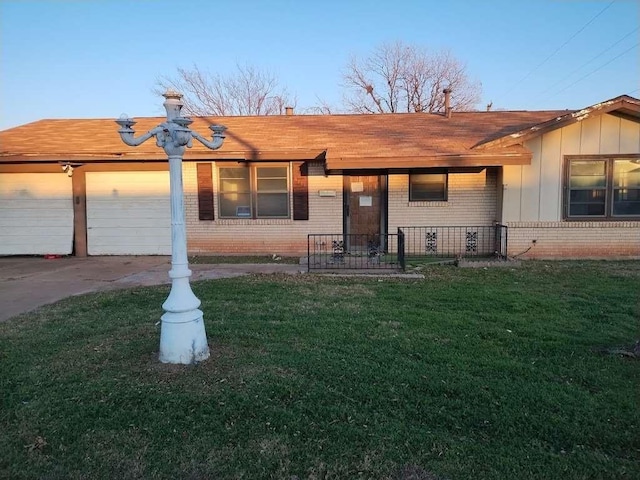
column 288, row 111
column 447, row 102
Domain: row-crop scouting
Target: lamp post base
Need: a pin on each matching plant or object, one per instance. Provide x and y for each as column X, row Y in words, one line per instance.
column 183, row 338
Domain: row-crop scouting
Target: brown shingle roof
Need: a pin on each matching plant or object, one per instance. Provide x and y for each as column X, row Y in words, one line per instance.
column 344, row 141
column 353, row 140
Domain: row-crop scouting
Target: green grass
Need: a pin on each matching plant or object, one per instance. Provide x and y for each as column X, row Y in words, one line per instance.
column 469, row 373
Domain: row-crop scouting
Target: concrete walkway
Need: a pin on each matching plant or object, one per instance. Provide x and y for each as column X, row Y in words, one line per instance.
column 27, row 283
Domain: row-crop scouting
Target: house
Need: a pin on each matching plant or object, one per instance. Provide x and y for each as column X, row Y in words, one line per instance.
column 566, row 184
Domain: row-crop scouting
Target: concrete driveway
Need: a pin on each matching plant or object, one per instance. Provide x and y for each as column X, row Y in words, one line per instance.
column 27, row 283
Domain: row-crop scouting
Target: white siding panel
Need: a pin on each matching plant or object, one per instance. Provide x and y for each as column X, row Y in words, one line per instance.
column 590, row 139
column 128, row 213
column 512, row 183
column 610, row 134
column 36, row 214
column 550, row 187
column 571, row 139
column 629, row 136
column 530, row 206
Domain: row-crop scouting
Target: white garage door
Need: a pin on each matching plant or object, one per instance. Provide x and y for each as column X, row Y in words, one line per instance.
column 128, row 213
column 36, row 214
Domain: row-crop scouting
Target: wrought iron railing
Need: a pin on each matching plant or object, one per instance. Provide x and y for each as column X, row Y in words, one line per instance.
column 355, row 252
column 455, row 242
column 410, row 244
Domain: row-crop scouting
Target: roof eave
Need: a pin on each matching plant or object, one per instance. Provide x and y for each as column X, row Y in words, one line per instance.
column 159, row 156
column 430, row 161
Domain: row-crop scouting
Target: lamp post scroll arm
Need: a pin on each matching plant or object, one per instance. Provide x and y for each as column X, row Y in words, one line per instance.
column 127, row 133
column 218, row 137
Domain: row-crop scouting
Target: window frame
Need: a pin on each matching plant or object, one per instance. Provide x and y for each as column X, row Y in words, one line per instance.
column 445, row 196
column 255, row 195
column 253, row 191
column 609, row 188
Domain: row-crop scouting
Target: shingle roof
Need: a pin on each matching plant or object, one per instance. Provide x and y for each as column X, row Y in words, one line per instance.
column 345, row 141
column 272, row 137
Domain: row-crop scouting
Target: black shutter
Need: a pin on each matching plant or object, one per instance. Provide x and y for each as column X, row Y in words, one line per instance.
column 205, row 191
column 300, row 191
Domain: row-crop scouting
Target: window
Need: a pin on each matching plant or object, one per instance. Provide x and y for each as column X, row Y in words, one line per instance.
column 428, row 187
column 256, row 191
column 626, row 187
column 603, row 188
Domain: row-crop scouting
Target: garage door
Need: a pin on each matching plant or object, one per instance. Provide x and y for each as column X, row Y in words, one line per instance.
column 128, row 213
column 36, row 214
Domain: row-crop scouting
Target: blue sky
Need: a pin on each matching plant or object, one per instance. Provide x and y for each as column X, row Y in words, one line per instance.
column 98, row 59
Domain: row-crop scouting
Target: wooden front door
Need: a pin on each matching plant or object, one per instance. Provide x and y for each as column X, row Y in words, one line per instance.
column 363, row 209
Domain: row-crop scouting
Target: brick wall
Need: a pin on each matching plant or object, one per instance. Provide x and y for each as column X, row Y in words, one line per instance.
column 574, row 239
column 472, row 200
column 262, row 237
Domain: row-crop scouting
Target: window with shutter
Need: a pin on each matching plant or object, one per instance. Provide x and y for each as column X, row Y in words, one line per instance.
column 263, row 190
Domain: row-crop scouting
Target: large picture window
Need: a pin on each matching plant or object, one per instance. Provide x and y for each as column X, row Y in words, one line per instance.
column 427, row 187
column 256, row 191
column 603, row 188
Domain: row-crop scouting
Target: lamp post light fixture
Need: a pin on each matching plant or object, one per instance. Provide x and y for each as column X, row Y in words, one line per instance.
column 182, row 337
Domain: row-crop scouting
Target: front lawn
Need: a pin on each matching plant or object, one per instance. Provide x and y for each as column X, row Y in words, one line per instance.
column 470, row 373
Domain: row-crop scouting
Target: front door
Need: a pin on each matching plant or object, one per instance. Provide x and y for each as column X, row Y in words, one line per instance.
column 363, row 211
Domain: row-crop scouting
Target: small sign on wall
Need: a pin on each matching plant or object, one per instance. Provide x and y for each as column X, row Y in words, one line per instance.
column 357, row 187
column 326, row 193
column 366, row 201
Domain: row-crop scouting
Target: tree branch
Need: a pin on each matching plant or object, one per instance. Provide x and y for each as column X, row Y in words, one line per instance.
column 405, row 78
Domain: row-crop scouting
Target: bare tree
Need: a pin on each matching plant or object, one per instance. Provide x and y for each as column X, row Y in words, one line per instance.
column 322, row 107
column 247, row 92
column 405, row 78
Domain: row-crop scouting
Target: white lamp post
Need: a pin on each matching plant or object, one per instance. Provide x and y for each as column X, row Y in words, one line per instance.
column 182, row 338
